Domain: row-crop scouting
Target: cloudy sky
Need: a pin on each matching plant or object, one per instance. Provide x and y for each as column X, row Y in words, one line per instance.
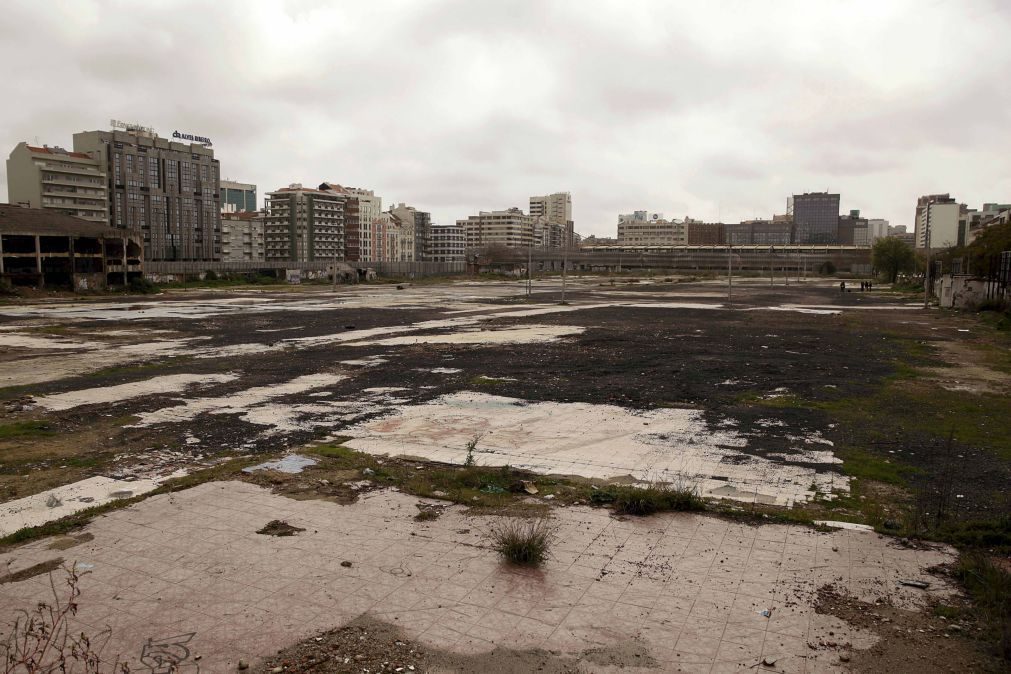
column 716, row 109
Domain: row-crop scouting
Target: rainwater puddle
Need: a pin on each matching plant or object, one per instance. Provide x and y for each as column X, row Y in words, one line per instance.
column 292, row 463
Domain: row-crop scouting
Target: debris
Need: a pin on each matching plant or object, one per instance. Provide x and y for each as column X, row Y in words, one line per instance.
column 548, row 497
column 439, row 494
column 53, row 502
column 368, row 471
column 346, row 564
column 279, row 528
column 767, row 613
column 919, row 584
column 769, row 661
column 277, row 670
column 492, row 489
column 243, row 664
column 529, row 487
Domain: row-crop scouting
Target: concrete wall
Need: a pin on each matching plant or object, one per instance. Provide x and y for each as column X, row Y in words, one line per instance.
column 960, row 292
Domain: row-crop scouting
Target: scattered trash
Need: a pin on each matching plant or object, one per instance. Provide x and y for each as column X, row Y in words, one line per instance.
column 368, row 471
column 919, row 584
column 84, row 566
column 548, row 497
column 766, row 613
column 529, row 487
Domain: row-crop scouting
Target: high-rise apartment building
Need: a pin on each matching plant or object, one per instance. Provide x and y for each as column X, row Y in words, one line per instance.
column 166, row 191
column 242, row 236
column 815, row 217
column 55, row 179
column 238, row 197
column 510, row 227
column 304, row 225
column 362, row 241
column 937, row 221
column 555, row 209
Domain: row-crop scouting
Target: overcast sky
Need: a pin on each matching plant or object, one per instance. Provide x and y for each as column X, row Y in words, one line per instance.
column 707, row 109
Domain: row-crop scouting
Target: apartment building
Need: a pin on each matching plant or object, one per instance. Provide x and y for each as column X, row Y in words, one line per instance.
column 446, row 243
column 304, row 224
column 555, row 209
column 166, row 190
column 51, row 178
column 242, row 235
column 416, row 225
column 510, row 227
column 361, row 210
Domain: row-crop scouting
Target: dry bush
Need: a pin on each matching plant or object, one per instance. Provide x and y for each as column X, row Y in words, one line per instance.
column 523, row 542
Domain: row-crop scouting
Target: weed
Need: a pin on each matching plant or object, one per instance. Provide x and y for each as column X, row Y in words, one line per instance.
column 469, row 461
column 428, row 515
column 523, row 542
column 24, row 429
column 652, row 498
column 989, row 584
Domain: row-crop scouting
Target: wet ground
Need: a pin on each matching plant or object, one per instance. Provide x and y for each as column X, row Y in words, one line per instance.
column 651, row 381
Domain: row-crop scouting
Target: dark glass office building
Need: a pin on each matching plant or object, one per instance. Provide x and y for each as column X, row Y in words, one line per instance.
column 242, row 196
column 816, row 217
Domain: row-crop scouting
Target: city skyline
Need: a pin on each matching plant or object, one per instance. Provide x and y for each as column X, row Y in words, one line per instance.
column 672, row 108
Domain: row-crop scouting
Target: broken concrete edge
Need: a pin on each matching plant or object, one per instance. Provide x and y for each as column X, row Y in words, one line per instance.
column 233, row 469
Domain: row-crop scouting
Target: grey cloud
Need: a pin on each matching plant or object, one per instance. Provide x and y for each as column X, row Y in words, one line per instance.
column 683, row 107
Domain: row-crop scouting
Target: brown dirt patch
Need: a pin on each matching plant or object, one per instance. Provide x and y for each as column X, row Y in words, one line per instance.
column 369, row 645
column 32, row 571
column 66, row 542
column 909, row 641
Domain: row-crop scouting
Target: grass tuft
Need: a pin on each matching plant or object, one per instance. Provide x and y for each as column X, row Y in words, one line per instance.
column 989, row 585
column 523, row 542
column 681, row 495
column 24, row 429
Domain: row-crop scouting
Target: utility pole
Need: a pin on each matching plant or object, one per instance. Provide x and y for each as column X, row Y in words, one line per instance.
column 529, row 247
column 730, row 273
column 335, row 268
column 771, row 268
column 786, row 269
column 565, row 266
column 926, row 271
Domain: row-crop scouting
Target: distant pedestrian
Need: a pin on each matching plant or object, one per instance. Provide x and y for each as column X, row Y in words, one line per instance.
column 869, row 285
column 842, row 286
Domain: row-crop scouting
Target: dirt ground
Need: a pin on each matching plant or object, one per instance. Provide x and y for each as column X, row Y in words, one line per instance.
column 895, row 416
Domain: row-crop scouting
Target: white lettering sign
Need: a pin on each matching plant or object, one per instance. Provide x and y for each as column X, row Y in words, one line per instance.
column 190, row 137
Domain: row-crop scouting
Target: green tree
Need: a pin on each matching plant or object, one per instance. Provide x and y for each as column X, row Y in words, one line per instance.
column 890, row 256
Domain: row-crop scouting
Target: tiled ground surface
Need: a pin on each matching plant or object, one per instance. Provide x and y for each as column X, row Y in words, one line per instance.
column 688, row 587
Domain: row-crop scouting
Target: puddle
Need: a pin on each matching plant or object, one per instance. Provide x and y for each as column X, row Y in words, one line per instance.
column 108, row 394
column 597, row 441
column 50, row 505
column 445, row 370
column 292, row 463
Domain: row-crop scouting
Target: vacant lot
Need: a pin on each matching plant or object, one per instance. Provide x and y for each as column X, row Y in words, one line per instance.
column 788, row 403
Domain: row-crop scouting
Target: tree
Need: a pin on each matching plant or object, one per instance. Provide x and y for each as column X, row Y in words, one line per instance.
column 891, row 257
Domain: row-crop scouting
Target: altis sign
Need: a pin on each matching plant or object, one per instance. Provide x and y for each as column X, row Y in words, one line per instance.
column 190, row 137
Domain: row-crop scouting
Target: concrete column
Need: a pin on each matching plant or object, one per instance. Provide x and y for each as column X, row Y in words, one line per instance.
column 125, row 256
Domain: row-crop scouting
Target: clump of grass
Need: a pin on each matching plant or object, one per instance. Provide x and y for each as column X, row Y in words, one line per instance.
column 523, row 542
column 681, row 495
column 989, row 585
column 427, row 515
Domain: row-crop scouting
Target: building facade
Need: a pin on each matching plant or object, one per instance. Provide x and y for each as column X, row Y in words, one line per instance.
column 71, row 183
column 704, row 233
column 169, row 192
column 815, row 216
column 643, row 229
column 854, row 230
column 416, row 224
column 511, row 228
column 555, row 209
column 937, row 222
column 361, row 210
column 447, row 243
column 238, row 197
column 304, row 225
column 242, row 236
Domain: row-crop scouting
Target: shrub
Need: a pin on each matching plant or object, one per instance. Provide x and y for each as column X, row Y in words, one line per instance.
column 523, row 542
column 142, row 286
column 655, row 497
column 210, row 275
